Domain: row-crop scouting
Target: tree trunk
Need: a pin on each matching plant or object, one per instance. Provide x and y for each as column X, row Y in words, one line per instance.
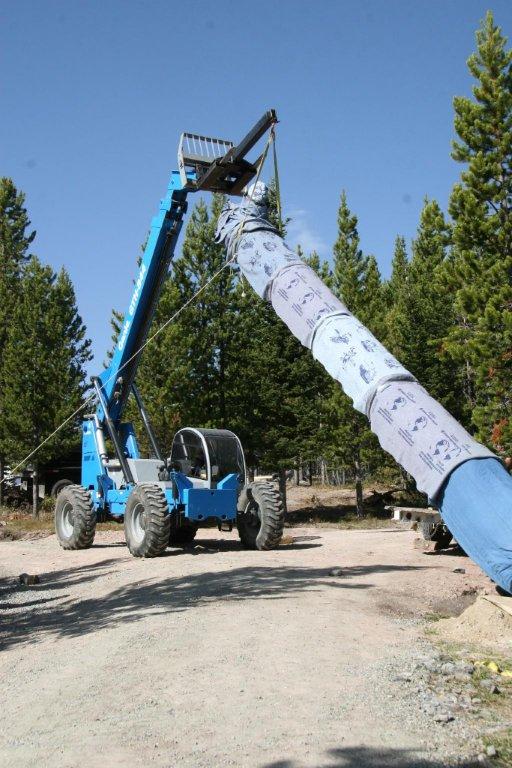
column 359, row 488
column 296, row 475
column 1, row 480
column 282, row 487
column 35, row 491
column 323, row 472
column 310, row 476
column 222, row 387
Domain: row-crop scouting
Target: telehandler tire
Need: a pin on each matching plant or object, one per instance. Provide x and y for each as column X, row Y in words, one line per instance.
column 183, row 535
column 59, row 485
column 147, row 521
column 260, row 517
column 437, row 532
column 75, row 518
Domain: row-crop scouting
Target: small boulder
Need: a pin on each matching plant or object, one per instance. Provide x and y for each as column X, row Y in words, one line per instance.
column 489, row 685
column 29, row 579
column 443, row 717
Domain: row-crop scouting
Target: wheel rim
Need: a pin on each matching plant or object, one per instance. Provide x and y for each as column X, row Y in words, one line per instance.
column 138, row 523
column 67, row 520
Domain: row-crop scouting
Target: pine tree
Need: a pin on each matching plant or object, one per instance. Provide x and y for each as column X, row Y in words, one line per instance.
column 356, row 281
column 481, row 268
column 281, row 387
column 420, row 311
column 396, row 294
column 321, row 267
column 15, row 241
column 313, row 384
column 185, row 374
column 43, row 376
column 372, row 306
column 430, row 310
column 349, row 262
column 280, row 383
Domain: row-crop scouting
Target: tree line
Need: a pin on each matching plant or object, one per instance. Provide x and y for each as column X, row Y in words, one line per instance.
column 43, row 343
column 229, row 362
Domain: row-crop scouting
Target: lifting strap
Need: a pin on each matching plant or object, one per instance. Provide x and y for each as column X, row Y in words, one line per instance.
column 276, row 175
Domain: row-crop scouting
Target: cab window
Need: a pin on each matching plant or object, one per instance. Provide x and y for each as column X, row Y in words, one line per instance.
column 187, row 455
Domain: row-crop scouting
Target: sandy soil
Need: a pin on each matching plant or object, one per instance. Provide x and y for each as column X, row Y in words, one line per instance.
column 215, row 656
column 483, row 624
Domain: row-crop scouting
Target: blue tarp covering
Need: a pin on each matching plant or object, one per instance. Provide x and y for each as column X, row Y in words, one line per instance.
column 476, row 505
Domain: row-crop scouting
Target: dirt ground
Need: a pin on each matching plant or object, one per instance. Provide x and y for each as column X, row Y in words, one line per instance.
column 216, row 656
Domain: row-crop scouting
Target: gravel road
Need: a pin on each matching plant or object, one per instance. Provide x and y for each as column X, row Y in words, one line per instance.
column 215, row 656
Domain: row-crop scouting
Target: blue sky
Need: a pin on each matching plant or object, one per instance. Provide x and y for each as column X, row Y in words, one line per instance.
column 94, row 96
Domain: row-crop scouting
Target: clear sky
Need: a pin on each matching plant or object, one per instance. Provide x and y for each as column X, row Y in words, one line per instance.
column 94, row 96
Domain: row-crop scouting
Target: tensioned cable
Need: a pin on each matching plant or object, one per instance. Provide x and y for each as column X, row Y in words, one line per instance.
column 155, row 334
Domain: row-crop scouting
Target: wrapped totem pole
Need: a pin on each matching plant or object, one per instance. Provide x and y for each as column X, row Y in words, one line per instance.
column 462, row 477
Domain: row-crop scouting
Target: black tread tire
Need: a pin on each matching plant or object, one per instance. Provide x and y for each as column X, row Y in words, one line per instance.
column 437, row 532
column 84, row 518
column 260, row 517
column 182, row 536
column 58, row 486
column 157, row 521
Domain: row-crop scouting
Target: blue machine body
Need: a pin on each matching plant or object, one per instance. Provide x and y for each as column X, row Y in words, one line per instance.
column 110, row 480
column 206, row 469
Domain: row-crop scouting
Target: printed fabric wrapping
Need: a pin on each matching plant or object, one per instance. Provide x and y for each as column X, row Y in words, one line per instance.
column 302, row 300
column 421, row 435
column 416, row 430
column 260, row 252
column 354, row 357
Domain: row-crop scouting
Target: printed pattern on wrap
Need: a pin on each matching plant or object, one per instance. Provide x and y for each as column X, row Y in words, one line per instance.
column 421, row 435
column 354, row 357
column 302, row 300
column 261, row 256
column 234, row 220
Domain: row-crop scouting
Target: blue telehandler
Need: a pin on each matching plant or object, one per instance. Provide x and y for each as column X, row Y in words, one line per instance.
column 163, row 500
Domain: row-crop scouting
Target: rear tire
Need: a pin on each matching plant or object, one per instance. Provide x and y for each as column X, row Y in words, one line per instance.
column 260, row 517
column 75, row 518
column 147, row 521
column 182, row 536
column 437, row 532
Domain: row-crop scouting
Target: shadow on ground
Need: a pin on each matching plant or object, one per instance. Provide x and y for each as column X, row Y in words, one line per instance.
column 340, row 513
column 365, row 757
column 74, row 616
column 202, row 546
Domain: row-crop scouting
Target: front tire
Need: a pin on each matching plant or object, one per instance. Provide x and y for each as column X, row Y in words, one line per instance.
column 59, row 485
column 75, row 518
column 147, row 521
column 260, row 517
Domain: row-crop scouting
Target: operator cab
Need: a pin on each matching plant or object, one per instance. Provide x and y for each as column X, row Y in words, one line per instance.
column 207, row 456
